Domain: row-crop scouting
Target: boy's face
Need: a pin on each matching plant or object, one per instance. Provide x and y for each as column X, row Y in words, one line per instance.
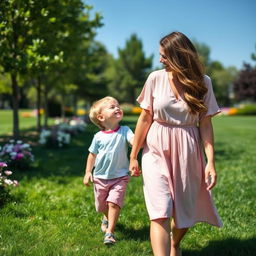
column 110, row 112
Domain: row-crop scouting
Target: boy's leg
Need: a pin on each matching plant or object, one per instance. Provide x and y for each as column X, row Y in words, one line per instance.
column 113, row 214
column 115, row 201
column 104, row 221
column 100, row 194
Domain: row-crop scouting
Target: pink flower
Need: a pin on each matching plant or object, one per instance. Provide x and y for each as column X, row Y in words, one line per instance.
column 8, row 172
column 15, row 183
column 3, row 164
column 19, row 156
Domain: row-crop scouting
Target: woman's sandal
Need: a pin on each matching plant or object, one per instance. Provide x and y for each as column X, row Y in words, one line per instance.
column 104, row 225
column 109, row 239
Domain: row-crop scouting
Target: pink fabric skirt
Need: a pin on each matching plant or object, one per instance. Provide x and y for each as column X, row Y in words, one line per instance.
column 173, row 175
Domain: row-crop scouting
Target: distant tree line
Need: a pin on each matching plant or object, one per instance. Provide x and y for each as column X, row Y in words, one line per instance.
column 49, row 59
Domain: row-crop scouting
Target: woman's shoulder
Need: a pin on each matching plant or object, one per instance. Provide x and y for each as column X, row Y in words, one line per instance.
column 157, row 73
column 207, row 80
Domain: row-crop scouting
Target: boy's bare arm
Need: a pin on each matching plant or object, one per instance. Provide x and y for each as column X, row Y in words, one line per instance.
column 88, row 170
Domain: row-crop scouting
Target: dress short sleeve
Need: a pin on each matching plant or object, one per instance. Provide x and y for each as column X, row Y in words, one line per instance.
column 145, row 98
column 210, row 100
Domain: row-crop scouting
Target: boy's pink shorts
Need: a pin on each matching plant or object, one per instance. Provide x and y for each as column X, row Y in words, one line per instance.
column 112, row 190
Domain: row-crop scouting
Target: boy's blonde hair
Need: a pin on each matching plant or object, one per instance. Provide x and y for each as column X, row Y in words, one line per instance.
column 96, row 109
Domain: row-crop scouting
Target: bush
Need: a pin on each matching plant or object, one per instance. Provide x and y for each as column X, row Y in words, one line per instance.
column 54, row 138
column 5, row 183
column 130, row 109
column 17, row 154
column 248, row 109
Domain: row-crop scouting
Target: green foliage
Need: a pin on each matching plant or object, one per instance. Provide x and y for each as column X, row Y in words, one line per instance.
column 41, row 41
column 203, row 51
column 245, row 84
column 247, row 109
column 129, row 71
column 222, row 78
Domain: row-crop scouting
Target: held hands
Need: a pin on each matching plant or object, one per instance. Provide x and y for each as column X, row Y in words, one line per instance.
column 87, row 179
column 134, row 168
column 210, row 176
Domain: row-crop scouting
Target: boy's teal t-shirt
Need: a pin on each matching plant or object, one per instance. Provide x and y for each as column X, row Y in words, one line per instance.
column 111, row 150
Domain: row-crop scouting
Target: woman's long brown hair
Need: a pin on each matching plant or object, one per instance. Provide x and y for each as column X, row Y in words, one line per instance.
column 184, row 62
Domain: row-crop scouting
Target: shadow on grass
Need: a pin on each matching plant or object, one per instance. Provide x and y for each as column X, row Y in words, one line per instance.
column 141, row 234
column 228, row 247
column 60, row 163
column 227, row 152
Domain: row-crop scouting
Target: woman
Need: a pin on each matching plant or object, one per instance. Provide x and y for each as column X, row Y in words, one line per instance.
column 177, row 105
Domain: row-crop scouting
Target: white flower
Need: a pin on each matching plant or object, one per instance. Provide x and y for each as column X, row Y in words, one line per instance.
column 8, row 182
column 8, row 173
column 15, row 183
column 13, row 155
column 25, row 145
column 9, row 148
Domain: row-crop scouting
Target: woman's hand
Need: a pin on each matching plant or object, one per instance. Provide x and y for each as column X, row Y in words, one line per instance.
column 134, row 168
column 210, row 176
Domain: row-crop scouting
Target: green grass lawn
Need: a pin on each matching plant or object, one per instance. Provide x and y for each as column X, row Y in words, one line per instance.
column 52, row 213
column 6, row 119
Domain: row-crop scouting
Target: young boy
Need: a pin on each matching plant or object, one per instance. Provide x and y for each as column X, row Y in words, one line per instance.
column 108, row 156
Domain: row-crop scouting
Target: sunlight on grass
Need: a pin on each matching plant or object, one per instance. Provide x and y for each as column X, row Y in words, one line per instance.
column 52, row 213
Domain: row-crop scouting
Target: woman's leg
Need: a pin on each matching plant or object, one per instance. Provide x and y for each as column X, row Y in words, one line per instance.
column 160, row 236
column 177, row 235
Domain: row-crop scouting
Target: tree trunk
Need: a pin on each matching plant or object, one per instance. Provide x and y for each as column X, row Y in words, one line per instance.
column 15, row 106
column 46, row 114
column 63, row 107
column 75, row 105
column 38, row 104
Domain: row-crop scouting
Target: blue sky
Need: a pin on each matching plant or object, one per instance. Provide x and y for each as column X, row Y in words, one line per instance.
column 228, row 27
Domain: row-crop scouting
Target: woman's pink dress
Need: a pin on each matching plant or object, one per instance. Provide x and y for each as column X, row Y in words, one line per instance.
column 173, row 159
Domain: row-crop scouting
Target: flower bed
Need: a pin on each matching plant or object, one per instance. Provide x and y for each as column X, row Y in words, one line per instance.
column 17, row 155
column 54, row 138
column 5, row 182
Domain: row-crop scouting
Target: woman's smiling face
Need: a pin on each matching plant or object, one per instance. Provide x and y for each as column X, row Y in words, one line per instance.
column 163, row 59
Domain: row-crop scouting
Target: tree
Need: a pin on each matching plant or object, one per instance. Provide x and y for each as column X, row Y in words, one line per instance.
column 245, row 84
column 129, row 71
column 36, row 35
column 5, row 91
column 204, row 52
column 222, row 78
column 253, row 55
column 14, row 39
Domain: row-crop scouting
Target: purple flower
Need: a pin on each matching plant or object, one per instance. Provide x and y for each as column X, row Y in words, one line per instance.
column 19, row 156
column 3, row 164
